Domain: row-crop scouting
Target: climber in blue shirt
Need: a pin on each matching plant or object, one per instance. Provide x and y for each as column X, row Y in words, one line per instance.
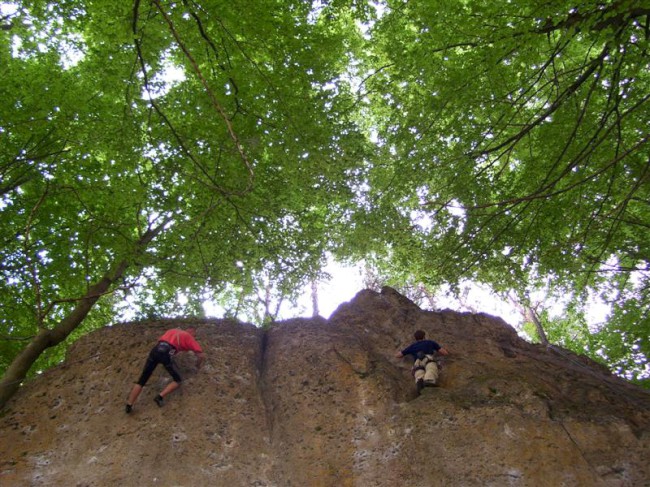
column 425, row 368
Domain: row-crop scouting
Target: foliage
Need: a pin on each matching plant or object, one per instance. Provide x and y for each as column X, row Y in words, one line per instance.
column 624, row 340
column 175, row 146
column 515, row 144
column 221, row 149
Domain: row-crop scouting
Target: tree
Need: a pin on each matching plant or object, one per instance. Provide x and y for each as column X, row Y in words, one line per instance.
column 515, row 144
column 200, row 148
column 181, row 145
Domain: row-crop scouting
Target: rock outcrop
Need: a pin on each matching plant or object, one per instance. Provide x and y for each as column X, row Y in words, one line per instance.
column 315, row 402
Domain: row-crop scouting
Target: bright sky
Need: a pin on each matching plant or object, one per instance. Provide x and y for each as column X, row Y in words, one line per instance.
column 347, row 281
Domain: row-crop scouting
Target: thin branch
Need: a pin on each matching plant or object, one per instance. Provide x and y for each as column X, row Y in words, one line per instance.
column 214, row 185
column 546, row 195
column 212, row 96
column 557, row 103
column 16, row 339
column 31, row 262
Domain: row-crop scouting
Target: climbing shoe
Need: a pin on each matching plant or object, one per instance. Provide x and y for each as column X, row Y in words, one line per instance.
column 128, row 408
column 419, row 385
column 159, row 400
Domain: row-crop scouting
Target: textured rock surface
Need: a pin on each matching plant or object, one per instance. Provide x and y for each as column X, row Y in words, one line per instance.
column 324, row 403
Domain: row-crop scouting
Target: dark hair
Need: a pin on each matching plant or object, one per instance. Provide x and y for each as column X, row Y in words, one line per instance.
column 419, row 335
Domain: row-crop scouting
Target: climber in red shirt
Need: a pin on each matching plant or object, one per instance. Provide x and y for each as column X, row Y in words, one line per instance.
column 171, row 342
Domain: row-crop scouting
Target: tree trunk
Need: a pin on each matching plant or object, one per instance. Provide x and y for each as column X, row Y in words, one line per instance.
column 531, row 315
column 314, row 298
column 46, row 338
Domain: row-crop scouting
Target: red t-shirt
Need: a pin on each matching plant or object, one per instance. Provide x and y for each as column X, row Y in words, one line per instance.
column 181, row 340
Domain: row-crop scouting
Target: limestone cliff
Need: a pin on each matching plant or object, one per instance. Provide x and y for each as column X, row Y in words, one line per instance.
column 315, row 402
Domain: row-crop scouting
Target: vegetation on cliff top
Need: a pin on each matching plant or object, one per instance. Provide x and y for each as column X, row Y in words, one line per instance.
column 218, row 149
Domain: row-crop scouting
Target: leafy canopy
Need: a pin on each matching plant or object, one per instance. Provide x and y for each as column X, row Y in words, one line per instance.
column 220, row 149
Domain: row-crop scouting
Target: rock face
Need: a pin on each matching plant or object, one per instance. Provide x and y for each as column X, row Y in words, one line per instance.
column 315, row 402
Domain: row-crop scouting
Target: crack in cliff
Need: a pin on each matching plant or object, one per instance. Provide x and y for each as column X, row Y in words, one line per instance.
column 263, row 385
column 361, row 373
column 582, row 453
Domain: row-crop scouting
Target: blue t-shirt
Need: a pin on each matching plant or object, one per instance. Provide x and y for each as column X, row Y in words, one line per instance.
column 427, row 346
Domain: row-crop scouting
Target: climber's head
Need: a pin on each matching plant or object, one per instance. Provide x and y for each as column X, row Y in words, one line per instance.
column 419, row 335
